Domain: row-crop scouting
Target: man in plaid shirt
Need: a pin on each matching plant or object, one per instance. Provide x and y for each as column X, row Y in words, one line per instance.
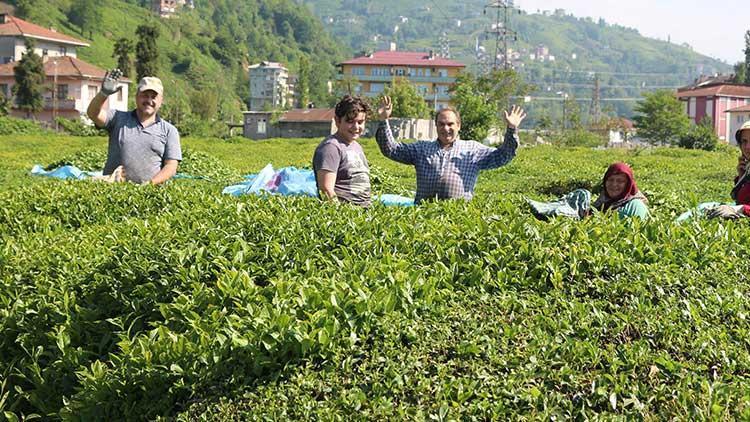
column 448, row 167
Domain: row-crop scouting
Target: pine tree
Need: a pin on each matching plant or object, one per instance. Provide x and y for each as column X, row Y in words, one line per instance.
column 29, row 75
column 747, row 58
column 122, row 51
column 147, row 53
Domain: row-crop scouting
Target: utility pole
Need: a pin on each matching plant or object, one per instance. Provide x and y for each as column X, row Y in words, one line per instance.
column 501, row 30
column 596, row 110
column 54, row 96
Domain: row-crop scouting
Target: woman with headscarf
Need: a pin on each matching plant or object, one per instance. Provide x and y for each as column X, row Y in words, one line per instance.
column 741, row 190
column 620, row 193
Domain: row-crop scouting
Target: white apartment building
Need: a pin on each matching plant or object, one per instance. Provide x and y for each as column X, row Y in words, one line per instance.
column 269, row 87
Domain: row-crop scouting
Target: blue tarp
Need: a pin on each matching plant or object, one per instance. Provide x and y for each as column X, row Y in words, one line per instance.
column 64, row 172
column 291, row 181
column 74, row 173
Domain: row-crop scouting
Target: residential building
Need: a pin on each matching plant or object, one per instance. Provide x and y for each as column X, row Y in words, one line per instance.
column 431, row 74
column 736, row 117
column 297, row 123
column 269, row 87
column 712, row 99
column 168, row 8
column 48, row 42
column 319, row 123
column 71, row 82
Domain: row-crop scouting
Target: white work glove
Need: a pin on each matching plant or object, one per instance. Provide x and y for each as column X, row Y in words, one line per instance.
column 729, row 212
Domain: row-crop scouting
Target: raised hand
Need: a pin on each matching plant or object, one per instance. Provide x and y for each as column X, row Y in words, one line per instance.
column 515, row 117
column 110, row 82
column 385, row 109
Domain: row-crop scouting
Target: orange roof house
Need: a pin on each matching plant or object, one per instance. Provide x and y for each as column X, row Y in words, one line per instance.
column 71, row 82
column 432, row 75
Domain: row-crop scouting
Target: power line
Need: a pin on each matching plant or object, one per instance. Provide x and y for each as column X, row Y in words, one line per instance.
column 641, row 87
column 593, row 72
column 501, row 30
column 532, row 98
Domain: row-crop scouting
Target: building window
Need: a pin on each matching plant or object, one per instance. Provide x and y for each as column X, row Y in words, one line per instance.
column 427, row 72
column 63, row 51
column 400, row 72
column 377, row 88
column 359, row 71
column 4, row 90
column 261, row 126
column 62, row 92
column 93, row 90
column 120, row 96
column 45, row 52
column 443, row 73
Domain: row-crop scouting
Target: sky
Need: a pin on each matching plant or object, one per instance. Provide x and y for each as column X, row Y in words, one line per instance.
column 714, row 29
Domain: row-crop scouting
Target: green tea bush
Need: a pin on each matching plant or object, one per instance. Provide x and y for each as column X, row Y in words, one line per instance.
column 13, row 126
column 194, row 163
column 78, row 128
column 127, row 302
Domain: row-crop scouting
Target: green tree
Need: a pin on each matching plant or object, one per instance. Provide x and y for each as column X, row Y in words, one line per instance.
column 303, row 82
column 205, row 104
column 477, row 114
column 700, row 136
column 407, row 101
column 571, row 114
column 481, row 99
column 87, row 14
column 29, row 75
column 661, row 118
column 747, row 57
column 122, row 50
column 146, row 52
column 740, row 73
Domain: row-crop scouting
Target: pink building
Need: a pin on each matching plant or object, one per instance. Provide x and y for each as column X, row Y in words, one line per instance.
column 71, row 82
column 712, row 100
column 736, row 117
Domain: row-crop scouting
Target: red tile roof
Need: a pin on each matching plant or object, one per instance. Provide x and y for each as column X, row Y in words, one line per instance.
column 403, row 58
column 721, row 90
column 14, row 26
column 308, row 115
column 745, row 108
column 66, row 67
column 626, row 123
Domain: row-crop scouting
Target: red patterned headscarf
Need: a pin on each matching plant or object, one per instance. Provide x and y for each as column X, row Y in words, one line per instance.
column 604, row 202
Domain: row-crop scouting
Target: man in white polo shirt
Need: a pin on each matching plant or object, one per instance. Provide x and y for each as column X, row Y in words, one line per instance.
column 142, row 145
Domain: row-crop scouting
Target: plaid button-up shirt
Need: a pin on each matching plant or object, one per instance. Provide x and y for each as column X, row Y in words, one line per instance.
column 446, row 173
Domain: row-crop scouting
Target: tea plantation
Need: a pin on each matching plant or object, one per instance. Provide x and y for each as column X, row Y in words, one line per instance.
column 124, row 302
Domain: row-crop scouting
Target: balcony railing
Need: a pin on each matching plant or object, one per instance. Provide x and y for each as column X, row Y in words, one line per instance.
column 427, row 96
column 66, row 104
column 423, row 79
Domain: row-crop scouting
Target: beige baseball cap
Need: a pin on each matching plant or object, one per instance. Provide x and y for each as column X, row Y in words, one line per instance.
column 745, row 126
column 151, row 83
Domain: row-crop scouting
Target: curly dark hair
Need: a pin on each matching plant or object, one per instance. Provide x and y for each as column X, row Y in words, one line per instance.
column 350, row 107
